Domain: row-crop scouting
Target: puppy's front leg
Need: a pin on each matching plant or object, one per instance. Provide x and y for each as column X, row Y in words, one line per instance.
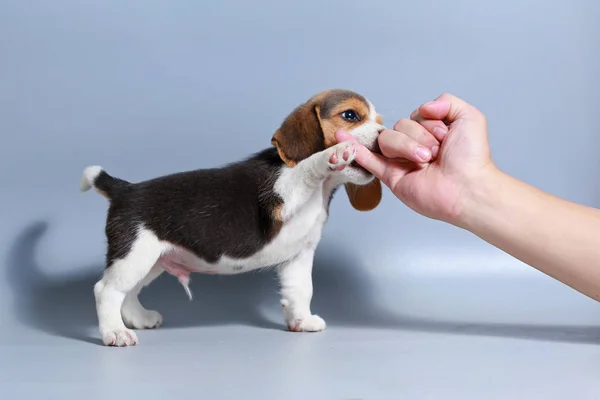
column 298, row 184
column 296, row 294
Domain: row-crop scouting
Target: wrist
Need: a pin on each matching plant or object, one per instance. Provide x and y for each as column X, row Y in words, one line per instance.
column 481, row 197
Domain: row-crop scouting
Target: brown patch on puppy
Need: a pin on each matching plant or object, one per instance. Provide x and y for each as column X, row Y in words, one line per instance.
column 378, row 119
column 300, row 135
column 276, row 220
column 311, row 128
column 276, row 213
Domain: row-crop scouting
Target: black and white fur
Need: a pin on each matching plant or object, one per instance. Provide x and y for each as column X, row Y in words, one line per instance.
column 219, row 221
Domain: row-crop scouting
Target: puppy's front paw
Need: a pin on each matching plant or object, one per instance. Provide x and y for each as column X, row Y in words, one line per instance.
column 341, row 155
column 142, row 318
column 313, row 323
column 119, row 337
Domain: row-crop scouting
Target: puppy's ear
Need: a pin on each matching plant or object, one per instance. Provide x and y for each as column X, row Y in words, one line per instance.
column 300, row 134
column 364, row 197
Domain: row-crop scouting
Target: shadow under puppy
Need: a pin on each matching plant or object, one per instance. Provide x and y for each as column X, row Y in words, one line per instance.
column 265, row 211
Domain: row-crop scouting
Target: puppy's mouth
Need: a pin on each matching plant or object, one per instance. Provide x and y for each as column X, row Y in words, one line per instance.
column 374, row 147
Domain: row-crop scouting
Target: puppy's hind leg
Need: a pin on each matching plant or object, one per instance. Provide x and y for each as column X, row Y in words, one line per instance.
column 121, row 277
column 134, row 314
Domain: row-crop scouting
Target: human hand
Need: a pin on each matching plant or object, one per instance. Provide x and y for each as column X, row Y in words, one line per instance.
column 433, row 160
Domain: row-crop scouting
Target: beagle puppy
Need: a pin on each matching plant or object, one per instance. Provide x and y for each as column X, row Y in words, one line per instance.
column 267, row 211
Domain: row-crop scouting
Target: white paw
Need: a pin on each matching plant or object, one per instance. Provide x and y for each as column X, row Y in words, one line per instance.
column 341, row 155
column 142, row 319
column 313, row 323
column 119, row 337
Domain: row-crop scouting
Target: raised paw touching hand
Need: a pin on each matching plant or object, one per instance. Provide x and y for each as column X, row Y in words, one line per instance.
column 341, row 155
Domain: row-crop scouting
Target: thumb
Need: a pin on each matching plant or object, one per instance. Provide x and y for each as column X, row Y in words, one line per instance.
column 388, row 171
column 446, row 107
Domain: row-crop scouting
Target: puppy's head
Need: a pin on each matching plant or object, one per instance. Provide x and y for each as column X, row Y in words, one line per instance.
column 311, row 128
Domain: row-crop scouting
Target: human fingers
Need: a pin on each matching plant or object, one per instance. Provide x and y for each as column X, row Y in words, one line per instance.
column 416, row 131
column 421, row 133
column 394, row 144
column 380, row 166
column 438, row 129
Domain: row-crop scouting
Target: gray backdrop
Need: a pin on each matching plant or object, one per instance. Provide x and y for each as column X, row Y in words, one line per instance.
column 416, row 309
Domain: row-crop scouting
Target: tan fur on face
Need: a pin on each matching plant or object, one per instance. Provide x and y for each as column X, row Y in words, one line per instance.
column 311, row 128
column 335, row 122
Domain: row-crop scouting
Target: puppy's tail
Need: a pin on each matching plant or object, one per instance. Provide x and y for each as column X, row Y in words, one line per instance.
column 108, row 186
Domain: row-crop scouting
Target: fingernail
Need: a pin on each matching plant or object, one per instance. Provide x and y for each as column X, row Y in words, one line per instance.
column 423, row 153
column 435, row 151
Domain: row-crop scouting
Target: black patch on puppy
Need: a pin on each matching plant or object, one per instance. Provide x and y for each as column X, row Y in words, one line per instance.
column 109, row 185
column 211, row 212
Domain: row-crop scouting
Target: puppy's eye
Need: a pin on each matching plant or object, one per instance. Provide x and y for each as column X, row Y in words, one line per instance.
column 350, row 116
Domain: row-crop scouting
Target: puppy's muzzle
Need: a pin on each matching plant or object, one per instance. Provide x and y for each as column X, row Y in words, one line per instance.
column 373, row 147
column 374, row 144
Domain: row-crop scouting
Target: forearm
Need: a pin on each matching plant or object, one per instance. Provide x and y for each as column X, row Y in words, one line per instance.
column 557, row 237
